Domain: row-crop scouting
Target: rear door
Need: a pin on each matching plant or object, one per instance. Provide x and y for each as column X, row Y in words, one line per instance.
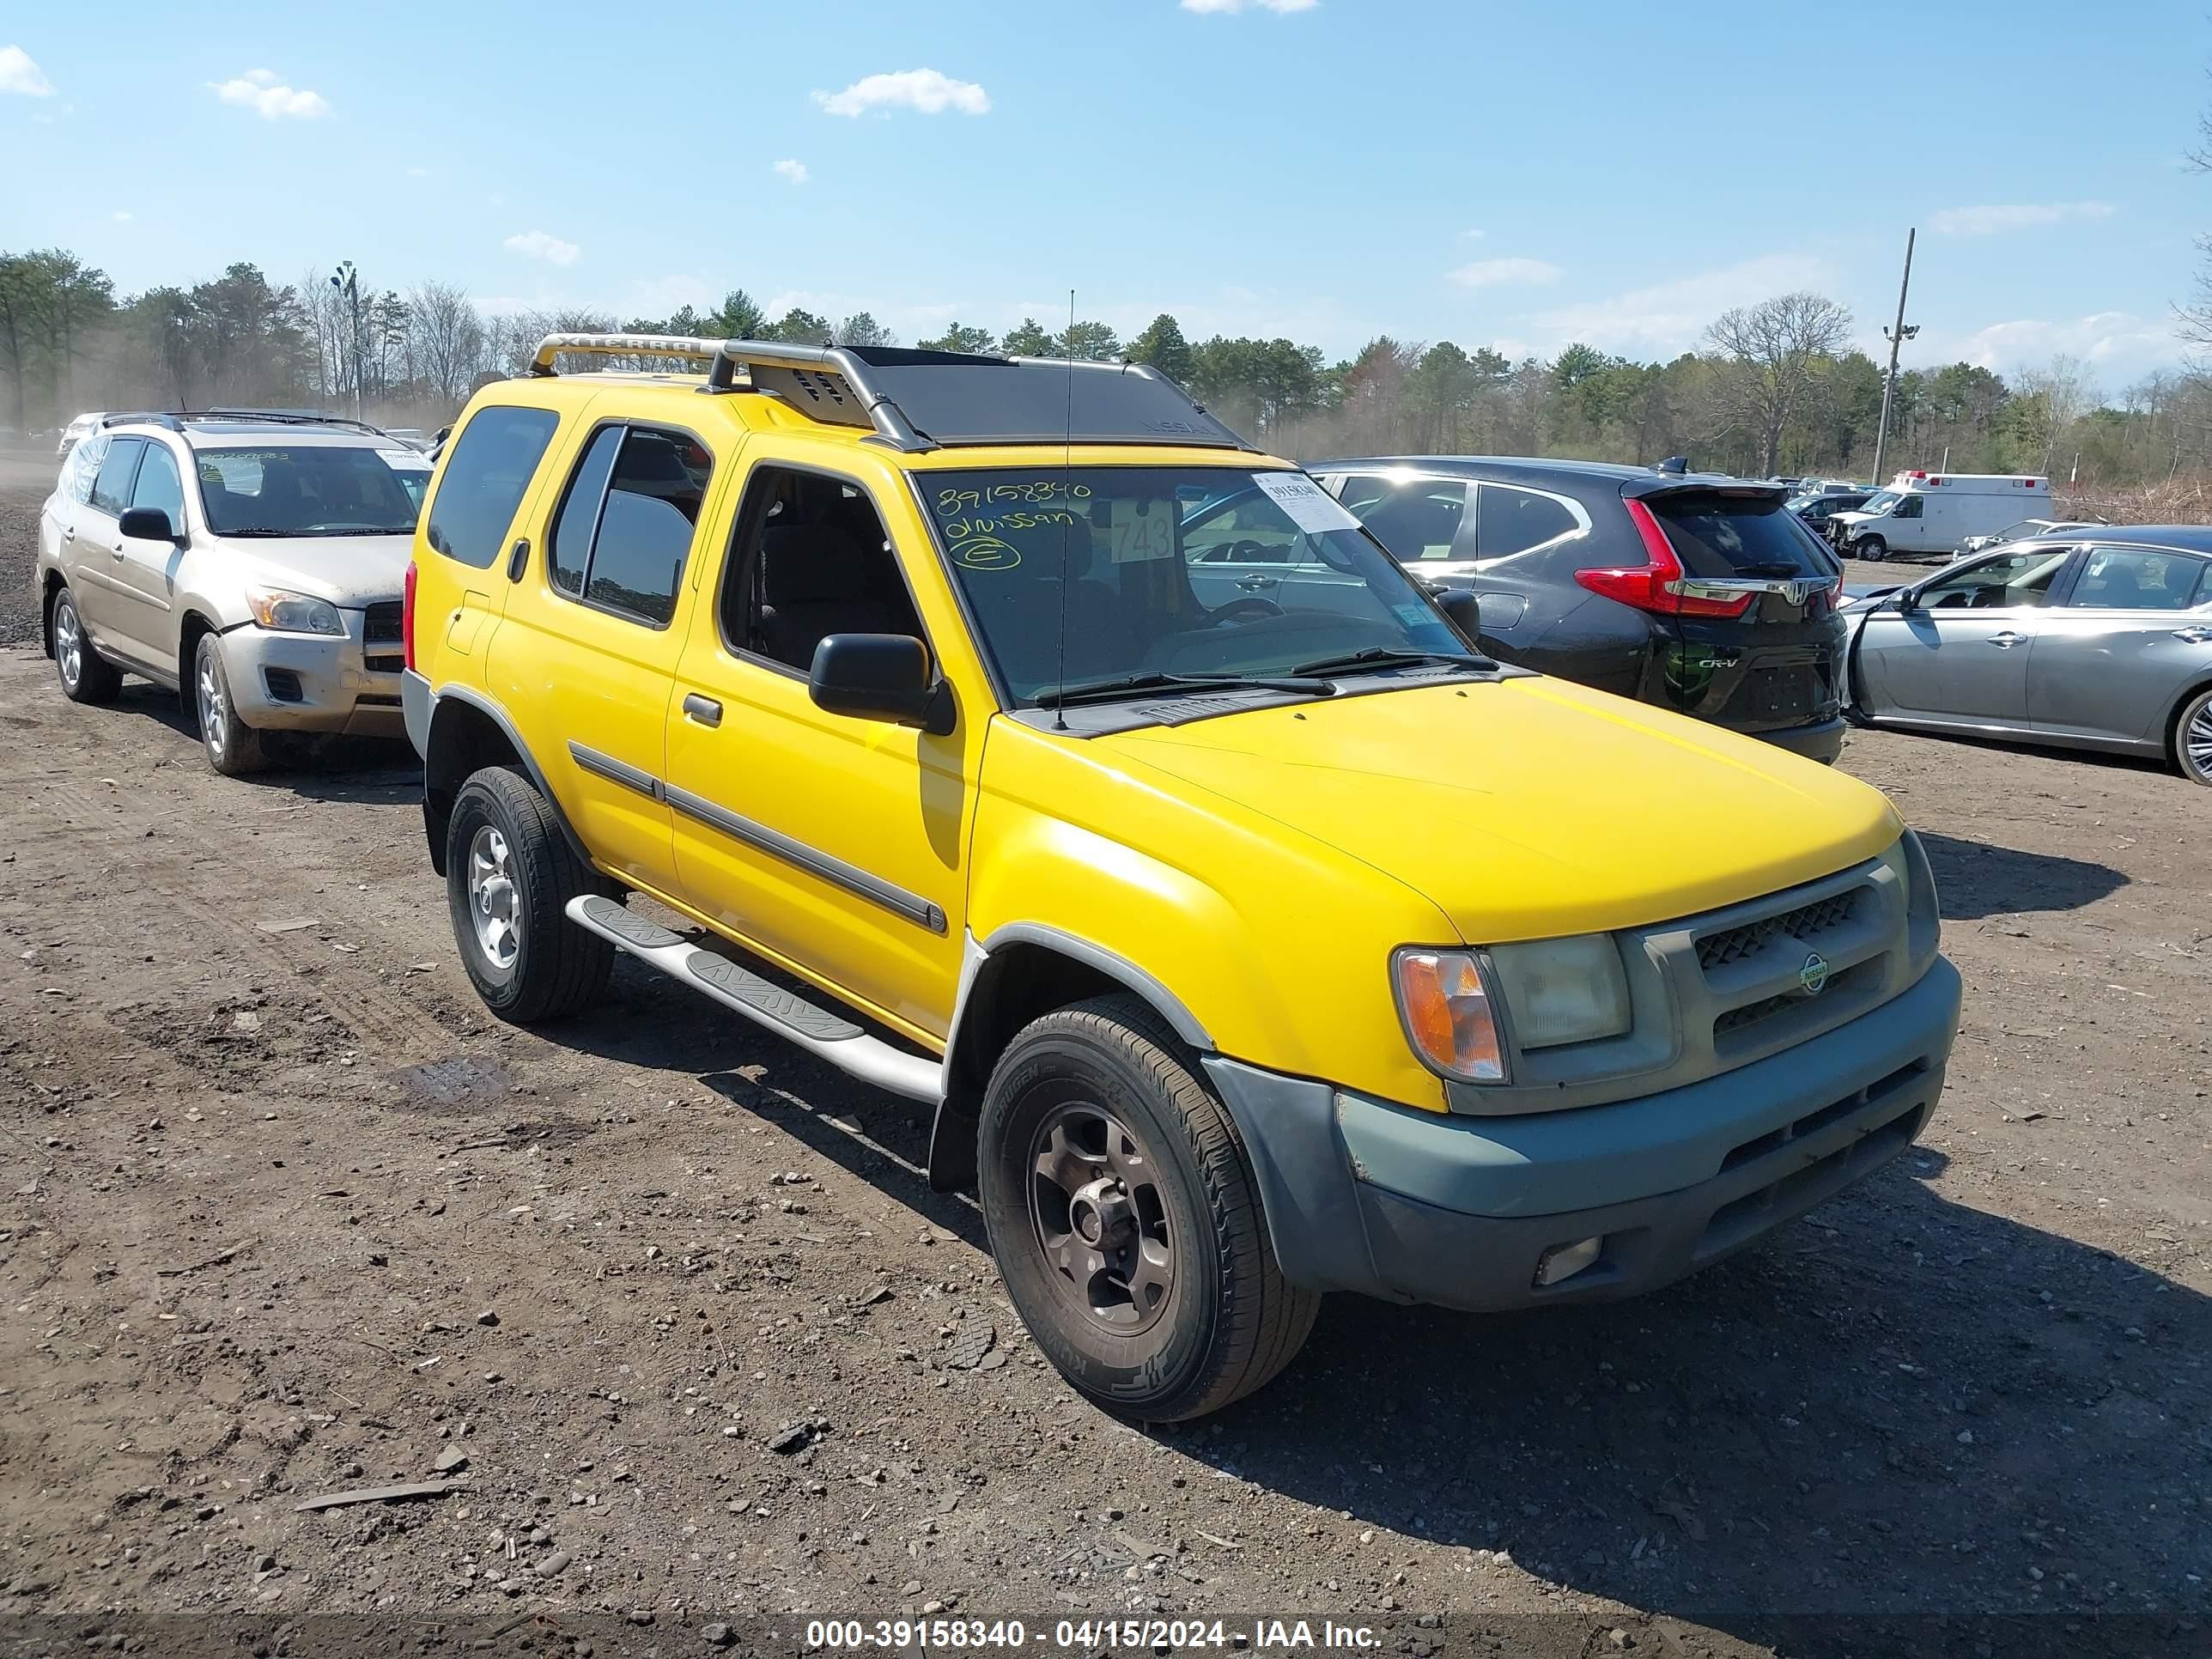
column 2108, row 660
column 1767, row 653
column 1959, row 656
column 96, row 551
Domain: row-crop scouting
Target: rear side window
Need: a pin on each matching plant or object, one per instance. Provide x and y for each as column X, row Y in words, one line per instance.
column 1720, row 536
column 625, row 529
column 1515, row 520
column 111, row 490
column 485, row 479
column 82, row 467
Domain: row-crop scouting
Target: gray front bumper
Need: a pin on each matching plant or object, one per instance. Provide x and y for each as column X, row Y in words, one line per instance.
column 1425, row 1207
column 313, row 682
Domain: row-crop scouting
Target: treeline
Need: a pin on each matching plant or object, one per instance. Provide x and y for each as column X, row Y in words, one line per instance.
column 1773, row 387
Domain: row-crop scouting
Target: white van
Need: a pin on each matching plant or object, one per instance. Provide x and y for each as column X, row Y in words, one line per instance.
column 1922, row 512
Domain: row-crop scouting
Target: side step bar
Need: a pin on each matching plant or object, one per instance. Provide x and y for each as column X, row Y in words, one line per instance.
column 822, row 1033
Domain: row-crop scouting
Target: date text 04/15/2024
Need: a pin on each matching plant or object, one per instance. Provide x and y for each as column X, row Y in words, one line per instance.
column 1257, row 1636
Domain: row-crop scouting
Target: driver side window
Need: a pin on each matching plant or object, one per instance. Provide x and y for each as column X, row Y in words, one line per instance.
column 1911, row 507
column 2011, row 580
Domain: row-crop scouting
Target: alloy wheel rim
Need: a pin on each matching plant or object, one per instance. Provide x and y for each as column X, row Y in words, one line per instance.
column 68, row 643
column 215, row 710
column 494, row 901
column 1099, row 1219
column 2196, row 741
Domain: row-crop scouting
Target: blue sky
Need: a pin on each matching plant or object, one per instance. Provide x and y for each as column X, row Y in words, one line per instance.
column 1511, row 175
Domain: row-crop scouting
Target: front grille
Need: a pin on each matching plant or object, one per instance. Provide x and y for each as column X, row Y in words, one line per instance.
column 1806, row 922
column 382, row 624
column 390, row 665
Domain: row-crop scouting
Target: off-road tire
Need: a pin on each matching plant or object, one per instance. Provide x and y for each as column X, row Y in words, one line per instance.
column 94, row 679
column 1230, row 1322
column 557, row 967
column 233, row 747
column 2196, row 712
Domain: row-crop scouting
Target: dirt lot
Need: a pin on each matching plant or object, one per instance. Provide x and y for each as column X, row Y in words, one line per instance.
column 285, row 1214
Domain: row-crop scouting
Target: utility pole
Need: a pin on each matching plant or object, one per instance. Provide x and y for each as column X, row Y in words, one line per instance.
column 347, row 281
column 1896, row 337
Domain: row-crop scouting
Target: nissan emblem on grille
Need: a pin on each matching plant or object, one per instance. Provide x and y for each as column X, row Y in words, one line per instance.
column 1814, row 975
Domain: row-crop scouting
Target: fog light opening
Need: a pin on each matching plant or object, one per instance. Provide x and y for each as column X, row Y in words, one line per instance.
column 1563, row 1262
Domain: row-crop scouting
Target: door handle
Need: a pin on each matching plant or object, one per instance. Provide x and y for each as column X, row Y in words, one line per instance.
column 70, row 535
column 2194, row 636
column 2006, row 640
column 1251, row 584
column 518, row 561
column 704, row 710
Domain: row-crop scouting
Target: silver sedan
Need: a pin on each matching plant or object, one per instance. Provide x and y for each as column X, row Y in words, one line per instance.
column 2095, row 639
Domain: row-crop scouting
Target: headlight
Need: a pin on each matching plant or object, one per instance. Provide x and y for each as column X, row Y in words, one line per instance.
column 1563, row 990
column 1447, row 1014
column 293, row 613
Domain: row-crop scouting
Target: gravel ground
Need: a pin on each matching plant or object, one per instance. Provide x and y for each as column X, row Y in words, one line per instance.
column 285, row 1214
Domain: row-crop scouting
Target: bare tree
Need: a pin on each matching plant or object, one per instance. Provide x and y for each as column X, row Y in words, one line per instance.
column 447, row 340
column 2054, row 396
column 1773, row 356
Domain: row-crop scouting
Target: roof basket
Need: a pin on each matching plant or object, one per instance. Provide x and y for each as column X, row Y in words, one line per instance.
column 919, row 400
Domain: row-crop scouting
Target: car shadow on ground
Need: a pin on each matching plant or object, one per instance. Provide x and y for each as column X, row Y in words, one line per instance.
column 1896, row 1408
column 1975, row 878
column 375, row 771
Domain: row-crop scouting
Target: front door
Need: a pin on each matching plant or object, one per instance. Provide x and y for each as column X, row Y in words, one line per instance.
column 1960, row 654
column 2108, row 661
column 593, row 624
column 146, row 570
column 834, row 845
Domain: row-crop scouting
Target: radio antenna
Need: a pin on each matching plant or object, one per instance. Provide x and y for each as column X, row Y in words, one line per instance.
column 1067, row 520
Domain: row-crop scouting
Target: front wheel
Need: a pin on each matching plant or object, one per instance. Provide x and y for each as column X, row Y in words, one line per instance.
column 509, row 876
column 2192, row 738
column 1870, row 547
column 1123, row 1215
column 233, row 748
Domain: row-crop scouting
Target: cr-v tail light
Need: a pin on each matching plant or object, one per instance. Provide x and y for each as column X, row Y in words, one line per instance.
column 1659, row 584
column 407, row 618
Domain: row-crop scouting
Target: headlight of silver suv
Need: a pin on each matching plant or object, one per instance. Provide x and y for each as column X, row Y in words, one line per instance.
column 1554, row 992
column 293, row 613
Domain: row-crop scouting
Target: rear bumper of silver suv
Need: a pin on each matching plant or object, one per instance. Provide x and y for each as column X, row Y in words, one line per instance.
column 1460, row 1211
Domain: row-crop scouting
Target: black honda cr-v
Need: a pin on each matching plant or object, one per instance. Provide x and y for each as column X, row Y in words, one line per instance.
column 1692, row 590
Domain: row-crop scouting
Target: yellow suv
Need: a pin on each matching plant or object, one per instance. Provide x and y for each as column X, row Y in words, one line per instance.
column 1011, row 735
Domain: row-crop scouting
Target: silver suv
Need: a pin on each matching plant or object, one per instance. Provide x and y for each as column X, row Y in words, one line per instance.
column 251, row 562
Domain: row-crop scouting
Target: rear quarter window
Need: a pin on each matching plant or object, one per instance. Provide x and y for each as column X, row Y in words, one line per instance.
column 483, row 482
column 1718, row 536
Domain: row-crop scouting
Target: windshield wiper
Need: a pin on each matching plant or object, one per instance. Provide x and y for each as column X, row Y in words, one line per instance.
column 362, row 530
column 1138, row 684
column 1771, row 567
column 1379, row 656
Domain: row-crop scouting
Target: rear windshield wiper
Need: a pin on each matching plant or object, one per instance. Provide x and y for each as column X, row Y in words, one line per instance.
column 1772, row 568
column 1384, row 657
column 1138, row 684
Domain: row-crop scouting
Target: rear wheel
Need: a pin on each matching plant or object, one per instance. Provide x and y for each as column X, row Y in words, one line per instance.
column 509, row 876
column 2192, row 738
column 1124, row 1217
column 86, row 676
column 233, row 748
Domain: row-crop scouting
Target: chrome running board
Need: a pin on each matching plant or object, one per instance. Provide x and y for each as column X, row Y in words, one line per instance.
column 826, row 1034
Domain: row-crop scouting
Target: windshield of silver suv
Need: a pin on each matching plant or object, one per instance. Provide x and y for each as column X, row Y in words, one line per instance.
column 303, row 489
column 1087, row 583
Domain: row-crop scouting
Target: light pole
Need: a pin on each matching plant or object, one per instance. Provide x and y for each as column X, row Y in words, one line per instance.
column 1896, row 337
column 347, row 281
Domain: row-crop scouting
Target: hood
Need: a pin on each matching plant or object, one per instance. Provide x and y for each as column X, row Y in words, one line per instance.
column 349, row 571
column 1530, row 807
column 1854, row 516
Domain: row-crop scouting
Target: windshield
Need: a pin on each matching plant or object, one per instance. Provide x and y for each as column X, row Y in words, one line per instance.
column 304, row 490
column 1201, row 572
column 1880, row 502
column 2013, row 533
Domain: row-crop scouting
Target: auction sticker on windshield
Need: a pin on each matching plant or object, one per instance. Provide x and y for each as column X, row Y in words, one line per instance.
column 1312, row 508
column 1143, row 529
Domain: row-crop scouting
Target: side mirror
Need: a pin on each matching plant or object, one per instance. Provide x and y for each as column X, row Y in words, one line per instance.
column 1465, row 610
column 148, row 524
column 880, row 677
column 1906, row 602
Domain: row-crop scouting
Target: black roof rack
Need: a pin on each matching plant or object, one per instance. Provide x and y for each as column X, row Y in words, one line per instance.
column 174, row 419
column 921, row 400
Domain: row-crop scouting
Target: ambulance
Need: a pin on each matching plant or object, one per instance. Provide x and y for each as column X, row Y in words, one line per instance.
column 1921, row 512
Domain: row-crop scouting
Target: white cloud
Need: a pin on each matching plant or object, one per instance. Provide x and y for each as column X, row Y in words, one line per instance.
column 2020, row 215
column 794, row 171
column 924, row 91
column 262, row 92
column 1668, row 318
column 1472, row 235
column 537, row 245
column 2119, row 340
column 20, row 74
column 1502, row 273
column 1226, row 6
column 123, row 216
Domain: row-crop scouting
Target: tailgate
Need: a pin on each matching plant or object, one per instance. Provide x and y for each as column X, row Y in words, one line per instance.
column 1778, row 661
